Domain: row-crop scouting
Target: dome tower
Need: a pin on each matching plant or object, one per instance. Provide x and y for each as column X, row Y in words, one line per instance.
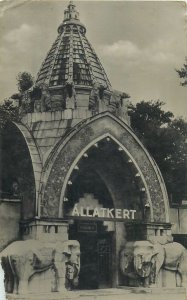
column 72, row 57
column 72, row 77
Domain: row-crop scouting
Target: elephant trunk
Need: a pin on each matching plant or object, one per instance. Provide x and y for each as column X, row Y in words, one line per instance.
column 142, row 266
column 23, row 287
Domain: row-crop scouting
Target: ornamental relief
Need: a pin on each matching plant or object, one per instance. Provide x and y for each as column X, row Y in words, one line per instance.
column 149, row 175
column 67, row 155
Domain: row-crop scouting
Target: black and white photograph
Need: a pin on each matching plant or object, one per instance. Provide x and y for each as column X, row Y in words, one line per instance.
column 93, row 150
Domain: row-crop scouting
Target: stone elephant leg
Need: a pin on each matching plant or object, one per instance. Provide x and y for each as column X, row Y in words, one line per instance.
column 9, row 278
column 60, row 271
column 179, row 279
column 23, row 266
column 15, row 276
column 181, row 276
column 158, row 260
column 72, row 254
column 176, row 260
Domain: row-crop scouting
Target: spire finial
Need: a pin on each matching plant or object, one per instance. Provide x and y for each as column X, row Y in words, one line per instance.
column 71, row 17
column 71, row 12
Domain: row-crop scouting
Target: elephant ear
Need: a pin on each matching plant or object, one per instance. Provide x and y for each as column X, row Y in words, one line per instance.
column 159, row 253
column 66, row 253
column 36, row 261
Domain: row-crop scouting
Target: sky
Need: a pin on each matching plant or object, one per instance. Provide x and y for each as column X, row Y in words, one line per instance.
column 140, row 44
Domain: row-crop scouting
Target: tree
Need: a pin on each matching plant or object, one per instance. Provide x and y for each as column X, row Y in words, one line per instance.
column 8, row 112
column 165, row 139
column 24, row 81
column 183, row 73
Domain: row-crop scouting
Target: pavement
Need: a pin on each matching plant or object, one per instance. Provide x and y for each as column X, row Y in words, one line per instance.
column 109, row 294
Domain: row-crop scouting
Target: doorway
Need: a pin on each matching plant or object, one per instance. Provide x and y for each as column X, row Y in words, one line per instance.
column 96, row 254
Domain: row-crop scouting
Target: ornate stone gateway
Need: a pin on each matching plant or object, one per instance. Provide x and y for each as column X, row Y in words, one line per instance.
column 97, row 212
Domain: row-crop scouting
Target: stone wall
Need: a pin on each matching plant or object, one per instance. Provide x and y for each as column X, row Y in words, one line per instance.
column 49, row 127
column 45, row 231
column 178, row 219
column 9, row 221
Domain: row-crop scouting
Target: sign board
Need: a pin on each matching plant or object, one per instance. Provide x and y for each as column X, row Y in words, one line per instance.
column 101, row 212
column 87, row 227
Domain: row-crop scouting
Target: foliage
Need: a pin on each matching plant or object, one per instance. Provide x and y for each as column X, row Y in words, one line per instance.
column 183, row 73
column 165, row 138
column 8, row 109
column 8, row 112
column 24, row 81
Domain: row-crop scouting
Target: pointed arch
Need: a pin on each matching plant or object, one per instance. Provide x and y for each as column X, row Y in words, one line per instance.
column 35, row 157
column 69, row 150
column 78, row 158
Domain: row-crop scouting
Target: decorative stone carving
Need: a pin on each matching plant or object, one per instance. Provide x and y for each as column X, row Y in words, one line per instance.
column 127, row 264
column 37, row 106
column 119, row 103
column 30, row 100
column 70, row 95
column 45, row 98
column 123, row 106
column 144, row 260
column 15, row 189
column 22, row 259
column 71, row 270
column 85, row 134
column 148, row 259
column 96, row 100
column 57, row 102
column 114, row 100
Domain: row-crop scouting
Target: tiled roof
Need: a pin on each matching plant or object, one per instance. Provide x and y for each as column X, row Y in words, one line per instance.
column 72, row 57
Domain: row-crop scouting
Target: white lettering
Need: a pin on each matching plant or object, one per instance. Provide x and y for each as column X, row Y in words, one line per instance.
column 75, row 211
column 103, row 210
column 82, row 212
column 109, row 213
column 96, row 212
column 126, row 214
column 88, row 212
column 118, row 213
column 132, row 211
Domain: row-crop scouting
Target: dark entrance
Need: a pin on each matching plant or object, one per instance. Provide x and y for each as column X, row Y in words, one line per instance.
column 96, row 254
column 102, row 178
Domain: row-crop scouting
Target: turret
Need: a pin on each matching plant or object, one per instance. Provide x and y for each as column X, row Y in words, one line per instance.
column 72, row 76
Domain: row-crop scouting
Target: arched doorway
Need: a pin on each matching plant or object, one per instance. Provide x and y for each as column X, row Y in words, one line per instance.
column 103, row 180
column 68, row 151
column 17, row 174
column 102, row 167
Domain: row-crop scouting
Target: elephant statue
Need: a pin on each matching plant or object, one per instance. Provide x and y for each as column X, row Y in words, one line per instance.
column 139, row 275
column 127, row 265
column 145, row 260
column 148, row 260
column 126, row 261
column 176, row 260
column 22, row 259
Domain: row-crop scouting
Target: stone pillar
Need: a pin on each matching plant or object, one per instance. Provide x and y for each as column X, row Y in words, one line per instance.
column 10, row 211
column 160, row 232
column 45, row 231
